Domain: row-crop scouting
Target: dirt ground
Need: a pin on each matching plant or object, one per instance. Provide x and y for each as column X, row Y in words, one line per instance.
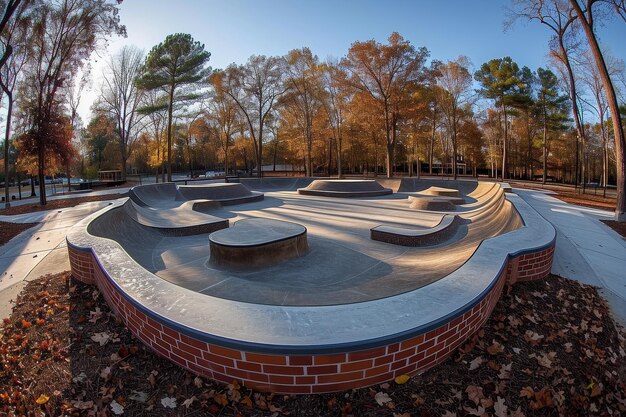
column 574, row 196
column 550, row 348
column 57, row 204
column 9, row 230
column 618, row 227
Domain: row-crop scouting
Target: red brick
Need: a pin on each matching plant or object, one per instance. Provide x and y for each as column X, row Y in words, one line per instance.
column 218, row 359
column 261, row 358
column 226, row 352
column 383, row 360
column 404, row 353
column 249, row 366
column 281, row 379
column 412, row 342
column 376, row 371
column 300, row 360
column 283, row 370
column 329, row 359
column 194, row 342
column 305, row 380
column 366, row 354
column 356, row 366
column 342, row 377
column 321, row 370
column 251, row 376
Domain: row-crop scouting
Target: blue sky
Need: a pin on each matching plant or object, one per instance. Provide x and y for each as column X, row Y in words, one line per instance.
column 232, row 30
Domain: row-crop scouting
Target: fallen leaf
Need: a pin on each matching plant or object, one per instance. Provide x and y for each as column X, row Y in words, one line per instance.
column 138, row 396
column 168, row 402
column 475, row 393
column 116, row 408
column 527, row 392
column 102, row 338
column 43, row 398
column 476, row 363
column 500, row 408
column 187, row 403
column 382, row 398
column 402, row 379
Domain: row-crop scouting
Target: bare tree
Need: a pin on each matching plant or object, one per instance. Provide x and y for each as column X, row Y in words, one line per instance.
column 256, row 87
column 455, row 81
column 65, row 34
column 335, row 99
column 585, row 15
column 120, row 98
column 224, row 111
column 303, row 79
column 558, row 16
column 14, row 38
column 387, row 73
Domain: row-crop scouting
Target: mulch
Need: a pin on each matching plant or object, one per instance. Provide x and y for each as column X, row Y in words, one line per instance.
column 57, row 204
column 9, row 230
column 575, row 196
column 617, row 226
column 550, row 348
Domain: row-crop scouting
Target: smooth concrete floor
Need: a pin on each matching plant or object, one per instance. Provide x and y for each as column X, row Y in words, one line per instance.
column 343, row 264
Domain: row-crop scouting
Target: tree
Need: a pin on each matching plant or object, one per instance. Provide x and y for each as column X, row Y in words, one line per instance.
column 585, row 15
column 10, row 8
column 551, row 107
column 335, row 100
column 500, row 80
column 177, row 66
column 303, row 79
column 14, row 38
column 455, row 81
column 65, row 33
column 388, row 73
column 256, row 87
column 99, row 134
column 223, row 110
column 120, row 98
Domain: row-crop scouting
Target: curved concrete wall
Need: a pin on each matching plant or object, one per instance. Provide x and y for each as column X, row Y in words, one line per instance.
column 313, row 349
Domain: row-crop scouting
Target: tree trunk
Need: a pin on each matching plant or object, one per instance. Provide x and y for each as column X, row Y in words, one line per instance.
column 170, row 110
column 339, row 144
column 7, row 136
column 545, row 150
column 41, row 173
column 504, row 144
column 620, row 142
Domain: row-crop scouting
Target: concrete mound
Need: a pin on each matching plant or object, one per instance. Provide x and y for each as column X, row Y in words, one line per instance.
column 225, row 194
column 169, row 195
column 345, row 188
column 256, row 242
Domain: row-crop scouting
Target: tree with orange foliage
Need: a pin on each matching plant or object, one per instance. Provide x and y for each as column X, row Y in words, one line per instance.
column 388, row 73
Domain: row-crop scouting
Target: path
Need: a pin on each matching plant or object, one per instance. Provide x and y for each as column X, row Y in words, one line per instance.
column 587, row 250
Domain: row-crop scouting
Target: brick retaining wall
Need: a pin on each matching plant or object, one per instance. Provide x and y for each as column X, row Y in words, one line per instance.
column 315, row 373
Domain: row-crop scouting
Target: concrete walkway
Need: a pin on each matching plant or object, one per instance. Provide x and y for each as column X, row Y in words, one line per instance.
column 39, row 250
column 587, row 250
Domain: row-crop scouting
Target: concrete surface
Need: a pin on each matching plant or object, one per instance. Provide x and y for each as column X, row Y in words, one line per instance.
column 586, row 249
column 343, row 265
column 290, row 329
column 39, row 250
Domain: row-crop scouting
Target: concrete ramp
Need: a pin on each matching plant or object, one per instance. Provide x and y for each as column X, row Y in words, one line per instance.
column 178, row 221
column 225, row 194
column 345, row 188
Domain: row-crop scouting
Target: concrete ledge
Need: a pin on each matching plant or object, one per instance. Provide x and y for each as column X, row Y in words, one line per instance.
column 345, row 188
column 253, row 243
column 310, row 349
column 443, row 231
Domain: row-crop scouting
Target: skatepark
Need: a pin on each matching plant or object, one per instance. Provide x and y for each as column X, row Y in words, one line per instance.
column 319, row 276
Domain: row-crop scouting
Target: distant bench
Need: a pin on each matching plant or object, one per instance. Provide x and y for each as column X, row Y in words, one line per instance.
column 403, row 236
